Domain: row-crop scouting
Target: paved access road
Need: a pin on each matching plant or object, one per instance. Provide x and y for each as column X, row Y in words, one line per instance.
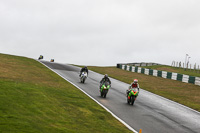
column 151, row 113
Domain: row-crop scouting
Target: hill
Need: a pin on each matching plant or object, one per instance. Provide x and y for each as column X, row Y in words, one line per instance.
column 35, row 99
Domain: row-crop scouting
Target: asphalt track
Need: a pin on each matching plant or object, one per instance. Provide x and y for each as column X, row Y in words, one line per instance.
column 151, row 113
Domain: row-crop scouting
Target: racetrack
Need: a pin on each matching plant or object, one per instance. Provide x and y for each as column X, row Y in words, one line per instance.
column 151, row 113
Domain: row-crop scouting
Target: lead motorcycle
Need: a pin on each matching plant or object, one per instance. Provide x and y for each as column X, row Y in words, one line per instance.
column 104, row 89
column 133, row 93
column 40, row 57
column 83, row 77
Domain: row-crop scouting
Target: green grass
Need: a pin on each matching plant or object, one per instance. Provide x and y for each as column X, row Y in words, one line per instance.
column 175, row 70
column 34, row 99
column 184, row 93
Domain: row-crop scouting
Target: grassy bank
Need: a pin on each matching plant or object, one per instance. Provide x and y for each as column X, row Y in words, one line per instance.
column 34, row 99
column 184, row 93
column 175, row 70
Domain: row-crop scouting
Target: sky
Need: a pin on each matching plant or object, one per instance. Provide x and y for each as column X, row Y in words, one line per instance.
column 101, row 32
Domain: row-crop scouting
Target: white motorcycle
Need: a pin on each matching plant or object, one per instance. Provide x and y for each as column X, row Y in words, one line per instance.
column 83, row 77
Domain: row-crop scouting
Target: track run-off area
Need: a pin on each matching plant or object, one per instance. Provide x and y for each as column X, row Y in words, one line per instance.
column 150, row 112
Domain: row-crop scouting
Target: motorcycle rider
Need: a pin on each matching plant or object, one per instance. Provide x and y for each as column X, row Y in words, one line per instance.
column 84, row 69
column 134, row 84
column 41, row 57
column 104, row 79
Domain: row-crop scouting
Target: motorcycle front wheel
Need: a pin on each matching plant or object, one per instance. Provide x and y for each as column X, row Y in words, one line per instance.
column 105, row 93
column 132, row 99
column 128, row 100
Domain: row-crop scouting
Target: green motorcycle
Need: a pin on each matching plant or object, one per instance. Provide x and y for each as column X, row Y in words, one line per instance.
column 132, row 95
column 41, row 57
column 104, row 89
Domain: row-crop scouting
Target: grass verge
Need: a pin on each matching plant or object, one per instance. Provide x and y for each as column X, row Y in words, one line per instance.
column 184, row 93
column 34, row 99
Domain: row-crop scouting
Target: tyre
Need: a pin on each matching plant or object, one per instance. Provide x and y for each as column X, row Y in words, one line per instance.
column 132, row 100
column 105, row 93
column 128, row 100
column 101, row 94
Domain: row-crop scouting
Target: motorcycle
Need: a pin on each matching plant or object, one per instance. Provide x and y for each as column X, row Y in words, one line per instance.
column 83, row 77
column 52, row 60
column 41, row 57
column 104, row 89
column 134, row 93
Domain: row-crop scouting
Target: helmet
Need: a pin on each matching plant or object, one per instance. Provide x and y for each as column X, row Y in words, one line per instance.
column 85, row 67
column 135, row 81
column 106, row 76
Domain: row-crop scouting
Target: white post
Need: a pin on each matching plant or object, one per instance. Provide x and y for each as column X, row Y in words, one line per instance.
column 186, row 60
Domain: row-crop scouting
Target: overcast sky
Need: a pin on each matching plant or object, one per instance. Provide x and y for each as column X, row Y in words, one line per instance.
column 101, row 32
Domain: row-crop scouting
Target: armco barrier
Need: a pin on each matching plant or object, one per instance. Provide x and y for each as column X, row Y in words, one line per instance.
column 174, row 76
column 163, row 74
column 150, row 72
column 197, row 81
column 169, row 75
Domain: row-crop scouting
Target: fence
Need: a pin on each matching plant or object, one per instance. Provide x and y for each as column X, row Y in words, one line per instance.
column 163, row 74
